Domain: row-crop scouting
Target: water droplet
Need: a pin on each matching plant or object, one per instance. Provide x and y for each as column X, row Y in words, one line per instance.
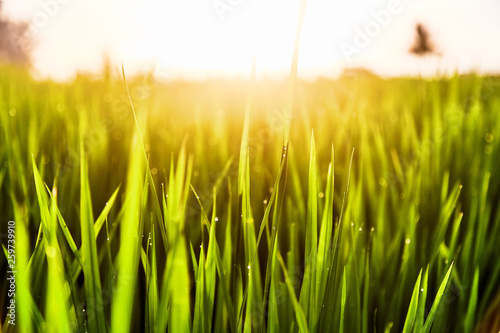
column 107, row 239
column 407, row 241
column 216, row 219
column 422, row 289
column 382, row 182
column 50, row 251
column 372, row 229
column 249, row 267
column 360, row 229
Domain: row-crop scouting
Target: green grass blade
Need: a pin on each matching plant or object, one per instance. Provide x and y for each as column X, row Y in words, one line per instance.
column 343, row 302
column 153, row 284
column 129, row 253
column 432, row 313
column 325, row 238
column 57, row 314
column 472, row 307
column 210, row 267
column 273, row 312
column 311, row 243
column 419, row 320
column 179, row 289
column 200, row 295
column 90, row 262
column 299, row 313
column 99, row 222
column 412, row 309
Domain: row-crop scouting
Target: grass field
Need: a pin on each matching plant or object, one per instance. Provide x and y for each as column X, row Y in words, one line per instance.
column 370, row 205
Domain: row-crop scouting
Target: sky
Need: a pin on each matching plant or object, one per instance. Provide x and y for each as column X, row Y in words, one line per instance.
column 196, row 39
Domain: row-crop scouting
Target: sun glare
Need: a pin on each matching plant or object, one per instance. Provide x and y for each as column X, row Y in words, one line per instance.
column 210, row 39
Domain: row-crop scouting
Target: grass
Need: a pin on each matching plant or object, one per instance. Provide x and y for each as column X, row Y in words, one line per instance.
column 196, row 213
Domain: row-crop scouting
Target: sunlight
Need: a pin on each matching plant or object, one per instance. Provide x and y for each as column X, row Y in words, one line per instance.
column 208, row 40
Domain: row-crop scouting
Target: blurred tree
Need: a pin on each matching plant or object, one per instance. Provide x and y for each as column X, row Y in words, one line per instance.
column 15, row 45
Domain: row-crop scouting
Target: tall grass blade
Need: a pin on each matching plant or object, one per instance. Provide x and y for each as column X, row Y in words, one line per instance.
column 432, row 313
column 129, row 252
column 299, row 313
column 412, row 309
column 309, row 283
column 472, row 307
column 57, row 315
column 419, row 320
column 90, row 261
column 343, row 301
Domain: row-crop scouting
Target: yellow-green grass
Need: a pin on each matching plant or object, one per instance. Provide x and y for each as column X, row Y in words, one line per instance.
column 194, row 212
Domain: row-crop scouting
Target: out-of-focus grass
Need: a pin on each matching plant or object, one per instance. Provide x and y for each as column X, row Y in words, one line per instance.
column 205, row 221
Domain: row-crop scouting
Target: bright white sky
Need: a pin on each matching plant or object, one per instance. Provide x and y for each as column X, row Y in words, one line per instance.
column 188, row 37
